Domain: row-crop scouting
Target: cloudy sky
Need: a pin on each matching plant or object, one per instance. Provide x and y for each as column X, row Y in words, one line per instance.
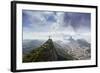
column 58, row 25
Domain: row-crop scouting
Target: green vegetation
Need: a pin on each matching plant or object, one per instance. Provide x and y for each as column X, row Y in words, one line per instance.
column 46, row 52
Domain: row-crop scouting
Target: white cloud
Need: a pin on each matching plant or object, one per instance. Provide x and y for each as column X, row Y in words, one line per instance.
column 40, row 28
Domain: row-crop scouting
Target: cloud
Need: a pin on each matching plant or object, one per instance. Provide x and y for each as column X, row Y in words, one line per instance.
column 53, row 23
column 78, row 21
column 38, row 20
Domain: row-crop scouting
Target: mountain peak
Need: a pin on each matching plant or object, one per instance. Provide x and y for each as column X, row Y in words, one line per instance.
column 71, row 38
column 46, row 52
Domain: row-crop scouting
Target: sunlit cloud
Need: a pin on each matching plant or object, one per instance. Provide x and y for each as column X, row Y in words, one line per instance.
column 58, row 25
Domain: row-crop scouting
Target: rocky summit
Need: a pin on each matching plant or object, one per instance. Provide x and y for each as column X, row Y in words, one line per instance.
column 47, row 52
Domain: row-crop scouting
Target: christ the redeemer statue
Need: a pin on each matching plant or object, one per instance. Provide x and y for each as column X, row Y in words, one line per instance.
column 49, row 37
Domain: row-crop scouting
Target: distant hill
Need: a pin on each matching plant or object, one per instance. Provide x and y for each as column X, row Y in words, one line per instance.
column 79, row 48
column 48, row 51
column 29, row 45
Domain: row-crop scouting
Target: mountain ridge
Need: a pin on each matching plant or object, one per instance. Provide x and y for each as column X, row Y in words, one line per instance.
column 47, row 52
